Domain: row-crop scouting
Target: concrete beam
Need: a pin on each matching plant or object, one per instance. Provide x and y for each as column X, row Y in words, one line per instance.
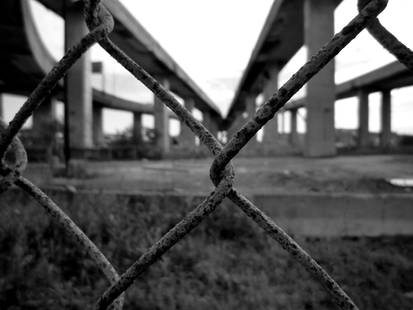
column 363, row 115
column 137, row 127
column 319, row 28
column 186, row 136
column 98, row 135
column 393, row 75
column 78, row 85
column 161, row 115
column 138, row 43
column 385, row 137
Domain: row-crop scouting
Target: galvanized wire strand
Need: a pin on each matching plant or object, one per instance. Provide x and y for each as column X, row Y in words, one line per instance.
column 389, row 41
column 73, row 231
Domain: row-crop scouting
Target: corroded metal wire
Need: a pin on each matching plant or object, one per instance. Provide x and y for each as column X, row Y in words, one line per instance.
column 73, row 231
column 316, row 64
column 267, row 111
column 389, row 41
column 8, row 140
column 101, row 24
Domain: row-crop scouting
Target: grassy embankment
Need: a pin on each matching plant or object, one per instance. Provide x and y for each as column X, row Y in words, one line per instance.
column 226, row 263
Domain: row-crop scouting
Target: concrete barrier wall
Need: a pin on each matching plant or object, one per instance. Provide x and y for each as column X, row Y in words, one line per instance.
column 322, row 215
column 340, row 214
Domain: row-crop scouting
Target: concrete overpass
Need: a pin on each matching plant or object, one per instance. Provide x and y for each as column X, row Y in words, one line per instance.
column 291, row 24
column 383, row 80
column 25, row 60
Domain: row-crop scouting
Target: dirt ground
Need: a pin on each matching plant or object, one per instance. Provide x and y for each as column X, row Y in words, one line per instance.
column 253, row 175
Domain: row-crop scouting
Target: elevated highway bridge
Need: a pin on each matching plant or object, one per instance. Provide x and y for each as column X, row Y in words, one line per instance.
column 290, row 25
column 25, row 60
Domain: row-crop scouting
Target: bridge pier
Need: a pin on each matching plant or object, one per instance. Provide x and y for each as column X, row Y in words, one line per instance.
column 186, row 136
column 1, row 107
column 161, row 116
column 211, row 124
column 251, row 108
column 137, row 128
column 235, row 126
column 363, row 116
column 319, row 28
column 271, row 133
column 44, row 115
column 78, row 107
column 294, row 141
column 98, row 136
column 385, row 136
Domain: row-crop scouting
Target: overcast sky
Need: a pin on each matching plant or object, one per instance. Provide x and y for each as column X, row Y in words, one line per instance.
column 213, row 40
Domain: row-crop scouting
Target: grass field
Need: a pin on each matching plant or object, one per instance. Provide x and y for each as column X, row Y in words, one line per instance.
column 226, row 263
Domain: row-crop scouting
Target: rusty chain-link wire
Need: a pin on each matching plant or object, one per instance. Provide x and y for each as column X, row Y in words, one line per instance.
column 101, row 23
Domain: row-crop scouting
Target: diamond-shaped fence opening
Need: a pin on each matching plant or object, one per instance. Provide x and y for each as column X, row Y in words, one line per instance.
column 100, row 23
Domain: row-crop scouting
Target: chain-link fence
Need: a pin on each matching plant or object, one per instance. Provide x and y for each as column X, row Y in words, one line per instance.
column 101, row 23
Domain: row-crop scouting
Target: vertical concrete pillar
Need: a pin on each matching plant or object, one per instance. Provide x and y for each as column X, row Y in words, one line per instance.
column 385, row 137
column 98, row 136
column 44, row 115
column 78, row 84
column 251, row 107
column 293, row 128
column 282, row 116
column 271, row 128
column 363, row 115
column 186, row 136
column 137, row 127
column 235, row 126
column 1, row 107
column 319, row 28
column 210, row 123
column 162, row 125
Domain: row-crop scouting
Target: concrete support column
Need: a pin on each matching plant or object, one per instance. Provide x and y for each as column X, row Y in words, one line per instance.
column 98, row 136
column 1, row 107
column 319, row 28
column 282, row 116
column 363, row 130
column 251, row 107
column 44, row 115
column 162, row 125
column 293, row 128
column 271, row 128
column 210, row 123
column 137, row 127
column 385, row 137
column 235, row 126
column 78, row 85
column 186, row 136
